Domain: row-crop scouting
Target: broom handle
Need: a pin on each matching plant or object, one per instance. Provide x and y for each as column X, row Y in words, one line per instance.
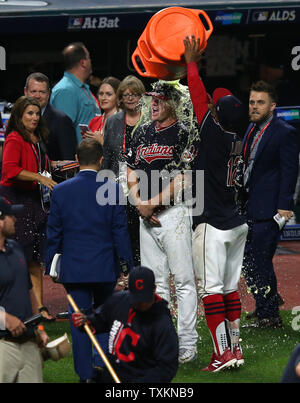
column 95, row 341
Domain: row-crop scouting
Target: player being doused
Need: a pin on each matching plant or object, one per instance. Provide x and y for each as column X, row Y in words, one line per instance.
column 165, row 226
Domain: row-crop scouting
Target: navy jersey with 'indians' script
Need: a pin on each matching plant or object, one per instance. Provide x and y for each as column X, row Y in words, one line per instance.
column 155, row 151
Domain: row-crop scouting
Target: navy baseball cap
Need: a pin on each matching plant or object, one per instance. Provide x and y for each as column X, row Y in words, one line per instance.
column 229, row 109
column 6, row 208
column 141, row 284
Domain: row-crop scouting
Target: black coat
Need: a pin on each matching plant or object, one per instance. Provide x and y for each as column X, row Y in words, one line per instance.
column 62, row 140
column 275, row 170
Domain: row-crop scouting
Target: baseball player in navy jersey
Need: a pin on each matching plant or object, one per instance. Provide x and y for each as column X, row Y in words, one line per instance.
column 220, row 231
column 143, row 344
column 165, row 226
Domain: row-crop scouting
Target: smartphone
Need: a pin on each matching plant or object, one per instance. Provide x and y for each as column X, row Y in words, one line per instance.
column 84, row 128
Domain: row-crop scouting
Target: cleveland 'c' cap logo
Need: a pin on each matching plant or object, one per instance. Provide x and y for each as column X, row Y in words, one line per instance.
column 139, row 284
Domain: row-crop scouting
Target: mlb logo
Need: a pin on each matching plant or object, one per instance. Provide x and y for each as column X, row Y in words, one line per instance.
column 261, row 16
column 75, row 22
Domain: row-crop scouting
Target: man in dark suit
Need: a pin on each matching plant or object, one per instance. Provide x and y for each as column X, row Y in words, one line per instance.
column 270, row 151
column 62, row 135
column 87, row 224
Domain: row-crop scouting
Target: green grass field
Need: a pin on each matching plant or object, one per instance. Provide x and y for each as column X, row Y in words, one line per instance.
column 266, row 353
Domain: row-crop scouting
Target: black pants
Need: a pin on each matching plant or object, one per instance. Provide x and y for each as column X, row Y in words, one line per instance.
column 134, row 232
column 258, row 266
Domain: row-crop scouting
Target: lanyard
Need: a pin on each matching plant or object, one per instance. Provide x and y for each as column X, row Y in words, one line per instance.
column 124, row 139
column 257, row 138
column 39, row 158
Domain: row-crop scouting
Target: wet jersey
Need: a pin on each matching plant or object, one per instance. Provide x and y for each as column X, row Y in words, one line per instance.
column 218, row 154
column 158, row 152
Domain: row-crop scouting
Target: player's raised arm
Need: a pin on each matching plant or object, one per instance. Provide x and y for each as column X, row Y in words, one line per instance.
column 197, row 90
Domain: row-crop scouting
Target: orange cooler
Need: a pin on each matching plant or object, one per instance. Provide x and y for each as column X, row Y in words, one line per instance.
column 160, row 48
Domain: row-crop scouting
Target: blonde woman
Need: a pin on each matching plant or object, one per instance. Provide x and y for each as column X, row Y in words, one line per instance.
column 118, row 134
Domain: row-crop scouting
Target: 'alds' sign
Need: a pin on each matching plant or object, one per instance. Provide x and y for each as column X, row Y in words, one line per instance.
column 296, row 60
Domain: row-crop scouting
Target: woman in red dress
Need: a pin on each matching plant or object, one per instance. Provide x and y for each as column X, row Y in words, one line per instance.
column 24, row 181
column 107, row 97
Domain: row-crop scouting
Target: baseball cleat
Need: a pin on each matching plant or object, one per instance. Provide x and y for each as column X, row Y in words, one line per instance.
column 226, row 360
column 237, row 352
column 187, row 354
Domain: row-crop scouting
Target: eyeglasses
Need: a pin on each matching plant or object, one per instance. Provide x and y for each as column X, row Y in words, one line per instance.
column 127, row 96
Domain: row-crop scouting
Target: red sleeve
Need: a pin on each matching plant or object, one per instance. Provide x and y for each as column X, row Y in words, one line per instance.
column 95, row 123
column 11, row 164
column 197, row 91
column 17, row 155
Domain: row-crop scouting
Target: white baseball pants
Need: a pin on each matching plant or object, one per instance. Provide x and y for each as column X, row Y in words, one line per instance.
column 168, row 249
column 218, row 257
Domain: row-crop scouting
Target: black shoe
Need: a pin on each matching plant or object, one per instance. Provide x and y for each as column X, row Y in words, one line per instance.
column 270, row 322
column 265, row 323
column 98, row 375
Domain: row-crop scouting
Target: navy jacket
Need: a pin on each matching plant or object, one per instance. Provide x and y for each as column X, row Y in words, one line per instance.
column 143, row 346
column 62, row 139
column 91, row 237
column 274, row 174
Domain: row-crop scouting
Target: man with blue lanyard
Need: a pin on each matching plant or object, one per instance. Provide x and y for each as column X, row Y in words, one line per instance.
column 71, row 94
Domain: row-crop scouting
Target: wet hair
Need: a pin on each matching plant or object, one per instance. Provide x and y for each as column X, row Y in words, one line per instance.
column 40, row 77
column 73, row 53
column 15, row 121
column 89, row 152
column 168, row 95
column 263, row 86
